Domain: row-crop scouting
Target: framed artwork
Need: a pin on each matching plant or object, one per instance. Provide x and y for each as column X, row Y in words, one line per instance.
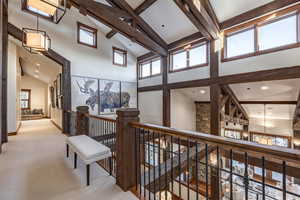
column 110, row 99
column 52, row 96
column 85, row 92
column 128, row 95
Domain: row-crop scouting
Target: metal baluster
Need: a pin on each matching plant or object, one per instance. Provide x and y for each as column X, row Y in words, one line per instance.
column 159, row 166
column 166, row 174
column 231, row 174
column 149, row 164
column 136, row 159
column 179, row 166
column 246, row 178
column 263, row 179
column 197, row 178
column 144, row 161
column 188, row 168
column 154, row 161
column 140, row 160
column 284, row 180
column 172, row 173
column 206, row 171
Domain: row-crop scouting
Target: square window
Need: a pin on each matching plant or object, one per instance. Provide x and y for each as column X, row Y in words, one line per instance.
column 198, row 55
column 278, row 33
column 87, row 35
column 240, row 43
column 179, row 60
column 119, row 57
column 146, row 70
column 156, row 67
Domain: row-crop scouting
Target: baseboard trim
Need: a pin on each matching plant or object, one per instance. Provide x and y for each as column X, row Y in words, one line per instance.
column 15, row 133
column 56, row 125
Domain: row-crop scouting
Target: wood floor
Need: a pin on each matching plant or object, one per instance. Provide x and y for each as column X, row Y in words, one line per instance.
column 33, row 166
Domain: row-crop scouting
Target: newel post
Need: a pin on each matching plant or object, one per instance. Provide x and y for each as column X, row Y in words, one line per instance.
column 126, row 148
column 82, row 121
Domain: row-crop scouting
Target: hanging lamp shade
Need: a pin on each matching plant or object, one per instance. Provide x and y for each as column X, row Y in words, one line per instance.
column 49, row 8
column 56, row 9
column 35, row 41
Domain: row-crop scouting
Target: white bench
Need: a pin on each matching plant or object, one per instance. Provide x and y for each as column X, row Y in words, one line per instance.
column 89, row 151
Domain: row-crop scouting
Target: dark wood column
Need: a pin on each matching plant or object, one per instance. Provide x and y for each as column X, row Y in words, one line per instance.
column 166, row 92
column 215, row 91
column 3, row 69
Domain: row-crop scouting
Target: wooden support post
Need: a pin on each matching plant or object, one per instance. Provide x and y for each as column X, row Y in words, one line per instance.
column 215, row 91
column 3, row 70
column 166, row 93
column 126, row 148
column 82, row 121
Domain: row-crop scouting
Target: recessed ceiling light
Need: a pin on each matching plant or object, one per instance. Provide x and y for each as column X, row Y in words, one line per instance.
column 163, row 25
column 202, row 91
column 264, row 88
column 38, row 64
column 37, row 71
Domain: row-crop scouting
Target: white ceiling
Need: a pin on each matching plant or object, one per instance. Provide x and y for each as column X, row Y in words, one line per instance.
column 167, row 13
column 226, row 9
column 283, row 90
column 196, row 94
column 46, row 72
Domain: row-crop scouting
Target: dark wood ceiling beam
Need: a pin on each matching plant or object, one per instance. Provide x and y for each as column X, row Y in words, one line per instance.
column 235, row 100
column 140, row 22
column 193, row 19
column 208, row 7
column 101, row 13
column 297, row 111
column 141, row 8
column 186, row 40
column 204, row 18
column 257, row 12
column 270, row 102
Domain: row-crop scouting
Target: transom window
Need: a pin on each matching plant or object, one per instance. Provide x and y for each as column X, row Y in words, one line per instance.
column 25, row 99
column 150, row 68
column 87, row 35
column 193, row 56
column 263, row 37
column 119, row 57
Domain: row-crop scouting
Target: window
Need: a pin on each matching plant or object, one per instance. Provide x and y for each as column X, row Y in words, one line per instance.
column 240, row 43
column 195, row 56
column 87, row 35
column 263, row 37
column 150, row 68
column 25, row 99
column 278, row 33
column 119, row 57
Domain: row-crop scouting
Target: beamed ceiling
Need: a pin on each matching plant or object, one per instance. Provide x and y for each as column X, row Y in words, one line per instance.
column 165, row 21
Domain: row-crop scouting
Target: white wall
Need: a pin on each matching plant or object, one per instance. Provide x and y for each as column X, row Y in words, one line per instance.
column 85, row 61
column 273, row 126
column 151, row 106
column 183, row 112
column 39, row 92
column 156, row 80
column 56, row 116
column 280, row 59
column 13, row 72
column 187, row 75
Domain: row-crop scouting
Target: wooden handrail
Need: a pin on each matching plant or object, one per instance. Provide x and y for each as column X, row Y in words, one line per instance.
column 280, row 153
column 102, row 118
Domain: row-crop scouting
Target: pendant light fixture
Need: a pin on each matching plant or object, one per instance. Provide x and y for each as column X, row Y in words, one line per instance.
column 55, row 9
column 35, row 40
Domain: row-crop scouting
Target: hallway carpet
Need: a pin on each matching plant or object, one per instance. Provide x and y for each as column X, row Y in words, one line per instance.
column 33, row 166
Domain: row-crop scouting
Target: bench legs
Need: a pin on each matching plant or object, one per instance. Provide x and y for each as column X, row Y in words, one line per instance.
column 75, row 160
column 67, row 151
column 110, row 165
column 87, row 175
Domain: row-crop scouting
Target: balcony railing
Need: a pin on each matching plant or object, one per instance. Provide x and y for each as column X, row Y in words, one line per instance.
column 162, row 163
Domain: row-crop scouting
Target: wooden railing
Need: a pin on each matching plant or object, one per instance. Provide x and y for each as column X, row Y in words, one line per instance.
column 189, row 165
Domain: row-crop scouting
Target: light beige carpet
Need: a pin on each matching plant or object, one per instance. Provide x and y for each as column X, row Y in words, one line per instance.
column 33, row 166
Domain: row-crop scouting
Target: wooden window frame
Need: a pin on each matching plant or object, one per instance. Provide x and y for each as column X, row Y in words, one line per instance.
column 256, row 24
column 25, row 8
column 29, row 99
column 182, row 49
column 150, row 61
column 288, row 138
column 124, row 52
column 94, row 31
